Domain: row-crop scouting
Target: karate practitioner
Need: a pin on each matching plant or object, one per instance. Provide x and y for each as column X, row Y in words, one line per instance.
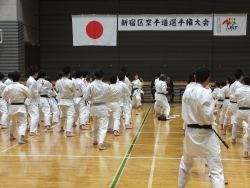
column 114, row 107
column 191, row 83
column 44, row 88
column 9, row 80
column 85, row 75
column 53, row 104
column 33, row 103
column 3, row 105
column 80, row 103
column 242, row 97
column 67, row 91
column 198, row 112
column 156, row 81
column 16, row 94
column 125, row 101
column 98, row 92
column 224, row 95
column 161, row 98
column 232, row 106
column 126, row 81
column 136, row 92
column 218, row 101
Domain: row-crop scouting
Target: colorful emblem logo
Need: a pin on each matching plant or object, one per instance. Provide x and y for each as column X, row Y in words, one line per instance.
column 231, row 24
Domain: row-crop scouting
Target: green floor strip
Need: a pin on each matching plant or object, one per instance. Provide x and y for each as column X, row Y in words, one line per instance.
column 129, row 151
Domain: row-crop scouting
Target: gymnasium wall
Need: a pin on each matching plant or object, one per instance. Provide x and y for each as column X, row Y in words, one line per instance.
column 174, row 53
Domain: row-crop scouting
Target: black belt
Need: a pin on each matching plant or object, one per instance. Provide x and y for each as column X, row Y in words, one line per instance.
column 1, row 97
column 226, row 97
column 46, row 96
column 244, row 108
column 133, row 90
column 220, row 100
column 161, row 93
column 232, row 102
column 17, row 103
column 81, row 96
column 208, row 127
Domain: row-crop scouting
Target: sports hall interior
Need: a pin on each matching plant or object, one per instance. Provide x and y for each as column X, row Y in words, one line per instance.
column 39, row 32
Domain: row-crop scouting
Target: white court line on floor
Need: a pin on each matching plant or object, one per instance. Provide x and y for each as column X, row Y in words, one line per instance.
column 151, row 176
column 26, row 139
column 112, row 157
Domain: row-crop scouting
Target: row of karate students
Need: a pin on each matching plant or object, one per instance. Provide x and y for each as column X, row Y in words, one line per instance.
column 232, row 105
column 72, row 96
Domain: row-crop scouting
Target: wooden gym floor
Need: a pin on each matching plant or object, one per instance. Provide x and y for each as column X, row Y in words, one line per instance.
column 146, row 156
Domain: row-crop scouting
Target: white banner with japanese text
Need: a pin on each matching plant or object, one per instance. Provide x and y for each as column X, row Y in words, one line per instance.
column 230, row 24
column 165, row 22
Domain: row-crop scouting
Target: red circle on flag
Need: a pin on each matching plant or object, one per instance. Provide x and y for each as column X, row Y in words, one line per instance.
column 94, row 29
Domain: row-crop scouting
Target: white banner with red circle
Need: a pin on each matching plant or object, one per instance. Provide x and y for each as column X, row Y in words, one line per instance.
column 94, row 30
column 175, row 22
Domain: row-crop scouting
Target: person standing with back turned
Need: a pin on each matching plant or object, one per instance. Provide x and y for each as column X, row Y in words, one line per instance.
column 200, row 140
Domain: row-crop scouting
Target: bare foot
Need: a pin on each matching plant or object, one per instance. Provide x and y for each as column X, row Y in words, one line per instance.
column 74, row 125
column 116, row 133
column 69, row 134
column 12, row 138
column 128, row 127
column 62, row 129
column 168, row 117
column 54, row 123
column 4, row 127
column 102, row 147
column 233, row 141
column 84, row 127
column 20, row 139
column 245, row 154
column 95, row 142
column 21, row 142
column 48, row 127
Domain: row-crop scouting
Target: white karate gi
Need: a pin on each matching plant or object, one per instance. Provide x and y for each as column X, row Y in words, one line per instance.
column 161, row 99
column 3, row 106
column 114, row 107
column 67, row 91
column 136, row 98
column 16, row 93
column 156, row 94
column 8, row 82
column 242, row 97
column 218, row 101
column 33, row 104
column 197, row 108
column 53, row 106
column 191, row 84
column 80, row 103
column 232, row 107
column 98, row 92
column 223, row 94
column 87, row 102
column 125, row 102
column 44, row 107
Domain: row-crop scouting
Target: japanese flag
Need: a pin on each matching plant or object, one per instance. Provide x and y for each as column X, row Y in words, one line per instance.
column 94, row 30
